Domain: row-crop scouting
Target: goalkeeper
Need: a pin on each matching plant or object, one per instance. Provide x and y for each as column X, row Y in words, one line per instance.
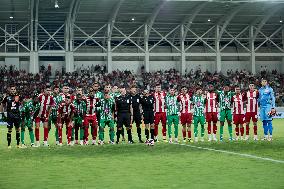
column 266, row 102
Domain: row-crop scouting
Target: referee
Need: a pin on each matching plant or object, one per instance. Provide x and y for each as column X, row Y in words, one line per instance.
column 147, row 103
column 124, row 114
column 136, row 105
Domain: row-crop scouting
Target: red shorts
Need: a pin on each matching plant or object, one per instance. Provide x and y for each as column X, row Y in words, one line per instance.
column 65, row 121
column 212, row 116
column 251, row 116
column 239, row 119
column 160, row 116
column 185, row 118
column 90, row 119
column 41, row 119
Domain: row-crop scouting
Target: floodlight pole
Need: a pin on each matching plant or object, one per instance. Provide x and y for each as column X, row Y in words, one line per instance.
column 34, row 58
column 109, row 50
column 252, row 49
column 147, row 54
column 183, row 59
column 217, row 49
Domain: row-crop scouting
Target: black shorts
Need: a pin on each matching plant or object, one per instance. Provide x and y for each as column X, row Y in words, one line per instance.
column 13, row 122
column 137, row 119
column 123, row 119
column 148, row 117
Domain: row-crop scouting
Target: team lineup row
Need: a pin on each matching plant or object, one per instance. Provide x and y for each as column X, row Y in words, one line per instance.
column 113, row 106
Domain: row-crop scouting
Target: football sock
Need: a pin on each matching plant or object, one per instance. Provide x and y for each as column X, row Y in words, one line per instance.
column 189, row 133
column 230, row 130
column 242, row 129
column 81, row 133
column 237, row 130
column 86, row 133
column 270, row 128
column 247, row 129
column 9, row 137
column 255, row 130
column 56, row 134
column 129, row 135
column 221, row 130
column 60, row 135
column 101, row 134
column 152, row 133
column 32, row 136
column 45, row 133
column 195, row 130
column 18, row 137
column 23, row 136
column 164, row 130
column 169, row 131
column 111, row 134
column 139, row 132
column 37, row 134
column 176, row 131
column 118, row 135
column 156, row 130
column 202, row 130
column 209, row 128
column 214, row 128
column 265, row 127
column 183, row 133
column 147, row 133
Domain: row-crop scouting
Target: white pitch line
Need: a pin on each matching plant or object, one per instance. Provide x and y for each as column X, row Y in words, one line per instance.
column 234, row 153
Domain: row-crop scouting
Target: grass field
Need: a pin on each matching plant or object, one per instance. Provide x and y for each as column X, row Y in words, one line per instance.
column 139, row 166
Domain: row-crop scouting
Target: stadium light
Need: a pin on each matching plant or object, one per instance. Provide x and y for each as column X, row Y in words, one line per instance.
column 56, row 4
column 209, row 20
column 11, row 17
column 132, row 19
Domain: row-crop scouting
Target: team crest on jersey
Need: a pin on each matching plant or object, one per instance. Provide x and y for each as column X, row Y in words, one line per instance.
column 17, row 98
column 198, row 104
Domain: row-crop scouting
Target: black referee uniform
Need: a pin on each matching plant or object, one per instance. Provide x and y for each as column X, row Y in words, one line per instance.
column 13, row 103
column 147, row 103
column 123, row 106
column 136, row 103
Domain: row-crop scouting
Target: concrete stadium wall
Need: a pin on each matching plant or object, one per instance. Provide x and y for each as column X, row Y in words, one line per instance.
column 135, row 66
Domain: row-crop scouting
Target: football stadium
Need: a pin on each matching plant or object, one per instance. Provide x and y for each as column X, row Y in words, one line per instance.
column 141, row 94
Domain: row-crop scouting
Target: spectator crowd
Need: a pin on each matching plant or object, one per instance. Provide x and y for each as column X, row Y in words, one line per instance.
column 27, row 82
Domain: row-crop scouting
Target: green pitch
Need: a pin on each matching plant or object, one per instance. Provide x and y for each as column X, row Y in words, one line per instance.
column 139, row 166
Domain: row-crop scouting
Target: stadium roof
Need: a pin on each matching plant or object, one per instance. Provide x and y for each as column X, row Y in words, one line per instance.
column 129, row 15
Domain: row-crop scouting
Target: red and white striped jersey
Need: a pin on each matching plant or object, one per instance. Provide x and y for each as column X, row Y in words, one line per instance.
column 160, row 105
column 211, row 102
column 251, row 98
column 238, row 104
column 91, row 105
column 46, row 102
column 65, row 109
column 185, row 103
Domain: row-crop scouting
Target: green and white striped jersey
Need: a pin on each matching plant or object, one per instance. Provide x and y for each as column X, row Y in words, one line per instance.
column 225, row 100
column 80, row 108
column 107, row 108
column 57, row 100
column 172, row 105
column 198, row 105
